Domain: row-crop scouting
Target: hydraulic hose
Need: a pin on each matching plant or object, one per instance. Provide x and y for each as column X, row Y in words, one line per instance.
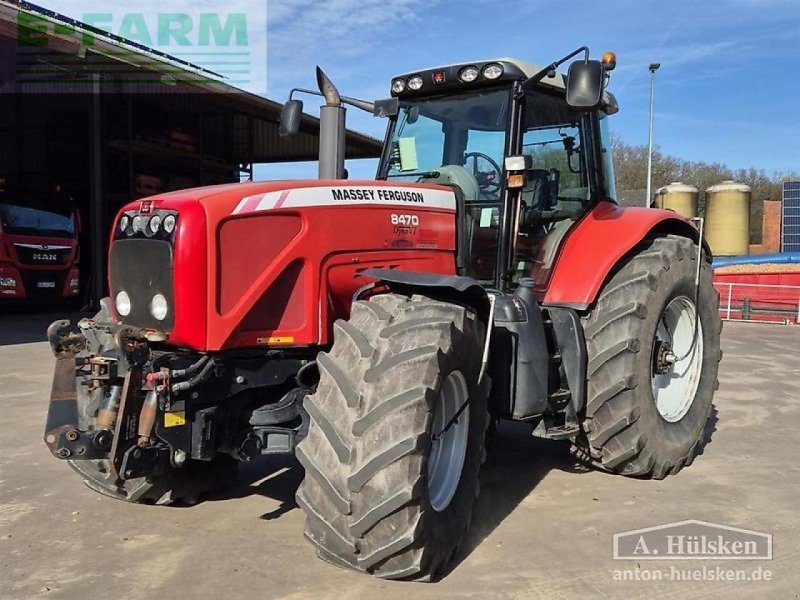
column 190, row 370
column 196, row 380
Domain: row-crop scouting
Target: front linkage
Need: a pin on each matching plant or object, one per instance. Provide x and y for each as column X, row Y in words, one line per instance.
column 135, row 411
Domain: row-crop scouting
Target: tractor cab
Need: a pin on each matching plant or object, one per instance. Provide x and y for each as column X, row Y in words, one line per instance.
column 526, row 161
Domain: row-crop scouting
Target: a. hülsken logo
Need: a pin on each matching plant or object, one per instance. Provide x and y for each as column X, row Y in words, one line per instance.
column 692, row 540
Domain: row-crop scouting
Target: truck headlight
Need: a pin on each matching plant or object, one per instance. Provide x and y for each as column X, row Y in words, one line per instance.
column 158, row 307
column 123, row 303
column 8, row 282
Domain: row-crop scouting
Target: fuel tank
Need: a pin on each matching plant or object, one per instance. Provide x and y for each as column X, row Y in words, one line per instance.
column 270, row 264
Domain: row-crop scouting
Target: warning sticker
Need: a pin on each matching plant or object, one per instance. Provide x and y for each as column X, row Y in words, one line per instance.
column 175, row 419
column 286, row 339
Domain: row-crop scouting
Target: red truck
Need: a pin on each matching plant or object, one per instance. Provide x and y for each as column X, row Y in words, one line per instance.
column 38, row 251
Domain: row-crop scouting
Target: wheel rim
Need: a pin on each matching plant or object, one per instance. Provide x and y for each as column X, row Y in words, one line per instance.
column 677, row 359
column 446, row 459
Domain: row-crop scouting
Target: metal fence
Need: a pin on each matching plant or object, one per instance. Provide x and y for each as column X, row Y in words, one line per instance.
column 759, row 303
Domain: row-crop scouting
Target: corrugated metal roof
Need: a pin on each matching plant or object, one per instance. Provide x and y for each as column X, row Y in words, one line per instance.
column 259, row 116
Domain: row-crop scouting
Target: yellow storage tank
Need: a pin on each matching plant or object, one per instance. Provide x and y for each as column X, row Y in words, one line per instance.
column 727, row 224
column 679, row 197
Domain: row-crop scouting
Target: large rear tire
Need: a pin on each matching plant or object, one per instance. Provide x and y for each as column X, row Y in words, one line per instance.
column 644, row 415
column 381, row 494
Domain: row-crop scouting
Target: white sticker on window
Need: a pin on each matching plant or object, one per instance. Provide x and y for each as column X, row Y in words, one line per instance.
column 407, row 147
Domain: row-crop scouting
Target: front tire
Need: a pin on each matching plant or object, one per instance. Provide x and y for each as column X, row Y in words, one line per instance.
column 645, row 417
column 381, row 495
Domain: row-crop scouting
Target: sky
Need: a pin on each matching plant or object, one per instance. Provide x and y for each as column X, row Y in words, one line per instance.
column 728, row 89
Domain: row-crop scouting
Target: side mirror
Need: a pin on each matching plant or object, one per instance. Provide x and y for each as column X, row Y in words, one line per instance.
column 585, row 83
column 386, row 108
column 290, row 117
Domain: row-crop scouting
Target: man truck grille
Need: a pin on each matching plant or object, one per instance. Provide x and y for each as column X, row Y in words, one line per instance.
column 142, row 269
column 35, row 254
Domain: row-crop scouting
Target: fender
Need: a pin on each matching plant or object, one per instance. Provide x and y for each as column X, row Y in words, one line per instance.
column 599, row 241
column 463, row 290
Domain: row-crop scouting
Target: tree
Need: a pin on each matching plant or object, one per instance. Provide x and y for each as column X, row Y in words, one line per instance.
column 630, row 168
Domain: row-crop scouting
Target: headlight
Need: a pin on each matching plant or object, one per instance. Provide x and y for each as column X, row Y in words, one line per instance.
column 153, row 224
column 169, row 223
column 123, row 223
column 468, row 74
column 138, row 224
column 8, row 282
column 492, row 71
column 398, row 85
column 158, row 307
column 74, row 282
column 123, row 304
column 415, row 82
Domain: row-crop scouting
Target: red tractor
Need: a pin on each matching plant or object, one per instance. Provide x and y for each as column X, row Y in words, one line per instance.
column 380, row 329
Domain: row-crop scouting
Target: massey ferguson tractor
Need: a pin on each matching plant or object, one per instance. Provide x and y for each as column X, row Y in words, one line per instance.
column 378, row 330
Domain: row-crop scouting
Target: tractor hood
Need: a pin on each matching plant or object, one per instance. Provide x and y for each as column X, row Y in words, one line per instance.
column 240, row 265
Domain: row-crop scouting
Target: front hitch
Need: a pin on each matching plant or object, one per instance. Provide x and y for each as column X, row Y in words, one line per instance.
column 62, row 341
column 62, row 435
column 114, row 429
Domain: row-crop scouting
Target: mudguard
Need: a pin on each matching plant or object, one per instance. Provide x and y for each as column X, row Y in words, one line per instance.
column 598, row 242
column 462, row 290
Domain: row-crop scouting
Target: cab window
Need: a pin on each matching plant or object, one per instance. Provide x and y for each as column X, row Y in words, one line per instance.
column 558, row 188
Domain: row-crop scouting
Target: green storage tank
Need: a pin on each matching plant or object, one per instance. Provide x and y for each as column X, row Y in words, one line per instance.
column 727, row 224
column 678, row 197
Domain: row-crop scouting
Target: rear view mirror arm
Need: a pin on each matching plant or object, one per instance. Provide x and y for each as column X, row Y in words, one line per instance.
column 528, row 84
column 362, row 104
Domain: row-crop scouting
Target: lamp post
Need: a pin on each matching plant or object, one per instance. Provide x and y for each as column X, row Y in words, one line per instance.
column 653, row 68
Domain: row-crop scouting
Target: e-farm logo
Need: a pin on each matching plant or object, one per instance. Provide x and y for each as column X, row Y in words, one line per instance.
column 692, row 540
column 209, row 44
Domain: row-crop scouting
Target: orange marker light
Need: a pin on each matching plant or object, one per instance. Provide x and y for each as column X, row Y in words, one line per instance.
column 609, row 61
column 515, row 181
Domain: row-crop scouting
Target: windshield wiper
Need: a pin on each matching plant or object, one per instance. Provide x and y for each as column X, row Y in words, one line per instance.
column 422, row 174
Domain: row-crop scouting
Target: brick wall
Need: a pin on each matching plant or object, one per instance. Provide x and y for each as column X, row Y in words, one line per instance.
column 771, row 229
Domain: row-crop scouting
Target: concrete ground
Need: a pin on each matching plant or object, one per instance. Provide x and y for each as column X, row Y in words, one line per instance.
column 542, row 529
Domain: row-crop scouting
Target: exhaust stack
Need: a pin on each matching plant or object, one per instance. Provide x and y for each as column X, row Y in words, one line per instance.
column 331, row 130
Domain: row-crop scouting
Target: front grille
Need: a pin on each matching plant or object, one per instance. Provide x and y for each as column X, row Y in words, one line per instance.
column 143, row 268
column 35, row 254
column 43, row 284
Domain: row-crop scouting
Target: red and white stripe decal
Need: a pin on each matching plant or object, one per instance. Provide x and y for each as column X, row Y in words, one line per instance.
column 408, row 197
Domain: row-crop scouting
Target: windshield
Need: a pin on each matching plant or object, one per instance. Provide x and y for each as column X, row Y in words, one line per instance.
column 456, row 139
column 22, row 220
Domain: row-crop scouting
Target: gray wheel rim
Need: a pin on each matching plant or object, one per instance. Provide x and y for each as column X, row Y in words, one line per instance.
column 674, row 391
column 446, row 460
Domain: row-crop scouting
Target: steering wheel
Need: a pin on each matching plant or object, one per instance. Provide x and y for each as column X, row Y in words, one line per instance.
column 490, row 182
